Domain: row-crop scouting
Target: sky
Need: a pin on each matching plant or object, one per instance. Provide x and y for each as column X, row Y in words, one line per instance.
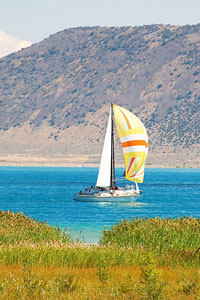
column 23, row 22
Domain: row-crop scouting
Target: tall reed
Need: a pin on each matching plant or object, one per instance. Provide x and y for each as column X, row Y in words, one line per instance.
column 16, row 228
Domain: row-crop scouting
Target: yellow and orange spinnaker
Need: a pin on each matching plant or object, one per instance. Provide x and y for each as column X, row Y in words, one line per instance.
column 134, row 141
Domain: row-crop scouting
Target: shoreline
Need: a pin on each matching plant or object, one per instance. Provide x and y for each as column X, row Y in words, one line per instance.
column 162, row 160
column 88, row 166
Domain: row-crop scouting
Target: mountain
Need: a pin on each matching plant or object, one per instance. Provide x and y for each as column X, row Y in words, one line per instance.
column 54, row 95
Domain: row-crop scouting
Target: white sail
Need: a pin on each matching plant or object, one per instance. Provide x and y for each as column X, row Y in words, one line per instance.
column 104, row 176
column 134, row 141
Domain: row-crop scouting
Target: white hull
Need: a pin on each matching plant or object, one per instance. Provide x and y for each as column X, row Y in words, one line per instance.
column 107, row 196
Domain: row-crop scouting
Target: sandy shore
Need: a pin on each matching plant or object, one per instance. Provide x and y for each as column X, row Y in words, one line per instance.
column 58, row 160
column 163, row 160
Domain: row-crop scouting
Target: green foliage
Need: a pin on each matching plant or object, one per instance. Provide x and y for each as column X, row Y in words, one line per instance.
column 31, row 246
column 76, row 255
column 166, row 234
column 190, row 286
column 103, row 273
column 15, row 228
column 150, row 279
column 178, row 238
column 128, row 286
column 27, row 242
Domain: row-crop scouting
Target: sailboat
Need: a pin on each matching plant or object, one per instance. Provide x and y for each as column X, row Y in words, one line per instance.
column 134, row 142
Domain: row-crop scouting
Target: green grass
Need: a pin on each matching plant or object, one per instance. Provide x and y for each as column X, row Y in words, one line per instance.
column 164, row 234
column 171, row 242
column 15, row 228
column 136, row 259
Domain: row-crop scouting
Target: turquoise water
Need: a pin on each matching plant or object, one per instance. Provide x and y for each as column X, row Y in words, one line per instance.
column 47, row 194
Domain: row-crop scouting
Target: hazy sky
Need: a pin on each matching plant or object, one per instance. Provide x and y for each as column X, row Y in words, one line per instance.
column 34, row 20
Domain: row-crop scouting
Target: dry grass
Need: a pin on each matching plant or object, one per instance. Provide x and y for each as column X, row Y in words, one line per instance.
column 38, row 262
column 121, row 283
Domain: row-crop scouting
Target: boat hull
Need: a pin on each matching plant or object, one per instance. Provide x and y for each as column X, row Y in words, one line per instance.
column 107, row 196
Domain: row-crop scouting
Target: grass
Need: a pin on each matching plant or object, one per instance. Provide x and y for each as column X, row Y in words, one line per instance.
column 15, row 228
column 136, row 259
column 172, row 241
column 147, row 282
column 165, row 234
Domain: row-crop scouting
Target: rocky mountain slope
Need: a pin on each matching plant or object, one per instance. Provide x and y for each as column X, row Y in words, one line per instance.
column 55, row 95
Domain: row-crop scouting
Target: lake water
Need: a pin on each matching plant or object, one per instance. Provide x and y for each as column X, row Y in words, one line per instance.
column 46, row 193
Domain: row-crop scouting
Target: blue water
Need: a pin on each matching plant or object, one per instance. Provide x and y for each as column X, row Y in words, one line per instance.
column 47, row 194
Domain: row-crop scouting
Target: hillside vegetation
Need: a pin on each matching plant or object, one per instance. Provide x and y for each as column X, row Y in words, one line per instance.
column 54, row 95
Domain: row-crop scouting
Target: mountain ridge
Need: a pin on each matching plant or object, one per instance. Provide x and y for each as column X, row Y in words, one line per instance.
column 54, row 95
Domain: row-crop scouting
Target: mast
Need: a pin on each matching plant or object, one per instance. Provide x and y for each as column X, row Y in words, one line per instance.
column 112, row 173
